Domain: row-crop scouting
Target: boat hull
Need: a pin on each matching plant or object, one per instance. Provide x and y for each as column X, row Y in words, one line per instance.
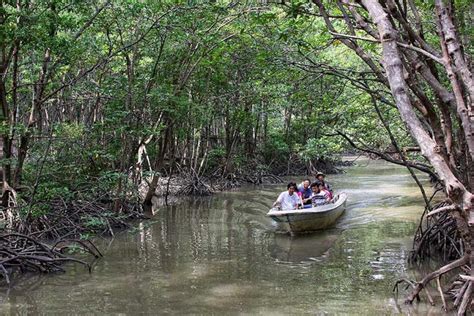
column 312, row 219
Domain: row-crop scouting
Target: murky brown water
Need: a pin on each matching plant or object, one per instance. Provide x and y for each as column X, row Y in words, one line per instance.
column 221, row 255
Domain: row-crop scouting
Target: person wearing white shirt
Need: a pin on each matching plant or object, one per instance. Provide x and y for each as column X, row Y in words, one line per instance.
column 288, row 200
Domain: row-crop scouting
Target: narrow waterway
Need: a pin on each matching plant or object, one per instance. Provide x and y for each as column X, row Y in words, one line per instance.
column 221, row 255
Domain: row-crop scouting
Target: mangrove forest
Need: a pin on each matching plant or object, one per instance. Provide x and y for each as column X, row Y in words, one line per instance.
column 143, row 143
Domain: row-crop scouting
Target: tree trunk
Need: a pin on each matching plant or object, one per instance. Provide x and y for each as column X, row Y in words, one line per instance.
column 455, row 190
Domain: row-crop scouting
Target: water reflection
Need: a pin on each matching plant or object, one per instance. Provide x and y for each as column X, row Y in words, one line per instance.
column 303, row 249
column 220, row 254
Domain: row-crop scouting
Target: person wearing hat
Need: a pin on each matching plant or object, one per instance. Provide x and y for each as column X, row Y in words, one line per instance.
column 321, row 177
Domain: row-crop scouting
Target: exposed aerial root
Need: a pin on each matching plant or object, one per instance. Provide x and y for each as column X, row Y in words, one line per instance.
column 437, row 234
column 21, row 254
column 433, row 275
column 71, row 219
column 442, row 233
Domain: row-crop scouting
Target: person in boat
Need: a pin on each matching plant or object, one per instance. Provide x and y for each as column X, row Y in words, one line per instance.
column 304, row 191
column 321, row 177
column 318, row 197
column 288, row 200
column 325, row 191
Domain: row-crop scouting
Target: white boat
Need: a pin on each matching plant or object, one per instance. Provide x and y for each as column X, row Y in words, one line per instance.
column 310, row 219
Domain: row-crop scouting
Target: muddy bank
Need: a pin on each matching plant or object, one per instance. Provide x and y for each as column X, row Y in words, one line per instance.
column 188, row 183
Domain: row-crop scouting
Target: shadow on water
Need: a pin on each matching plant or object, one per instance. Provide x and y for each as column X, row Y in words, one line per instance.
column 221, row 254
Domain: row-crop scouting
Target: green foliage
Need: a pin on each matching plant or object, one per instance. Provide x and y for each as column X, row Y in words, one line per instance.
column 50, row 191
column 72, row 131
column 215, row 156
column 36, row 210
column 92, row 222
column 244, row 82
column 320, row 148
column 276, row 146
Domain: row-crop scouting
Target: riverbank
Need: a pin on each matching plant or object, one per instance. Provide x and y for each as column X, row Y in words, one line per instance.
column 170, row 189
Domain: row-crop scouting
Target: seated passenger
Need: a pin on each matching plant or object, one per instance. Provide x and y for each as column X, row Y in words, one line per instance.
column 318, row 197
column 288, row 200
column 305, row 192
column 323, row 189
column 321, row 177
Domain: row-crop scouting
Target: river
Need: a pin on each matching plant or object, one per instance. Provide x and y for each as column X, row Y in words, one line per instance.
column 221, row 255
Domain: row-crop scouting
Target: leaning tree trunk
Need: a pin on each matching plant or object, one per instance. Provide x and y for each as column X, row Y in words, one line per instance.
column 461, row 197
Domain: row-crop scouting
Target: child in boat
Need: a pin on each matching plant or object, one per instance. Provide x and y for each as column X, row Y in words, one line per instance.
column 321, row 178
column 318, row 197
column 304, row 191
column 288, row 200
column 324, row 190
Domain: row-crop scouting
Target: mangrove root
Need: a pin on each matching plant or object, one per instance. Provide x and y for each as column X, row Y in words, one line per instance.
column 20, row 254
column 439, row 234
column 72, row 219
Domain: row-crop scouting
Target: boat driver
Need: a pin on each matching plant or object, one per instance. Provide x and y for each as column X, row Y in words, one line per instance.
column 318, row 197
